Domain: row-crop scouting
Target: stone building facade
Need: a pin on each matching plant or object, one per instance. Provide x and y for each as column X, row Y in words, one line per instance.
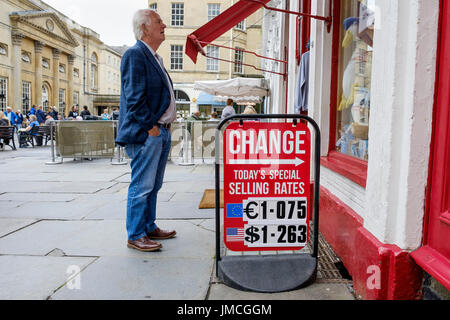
column 184, row 17
column 48, row 59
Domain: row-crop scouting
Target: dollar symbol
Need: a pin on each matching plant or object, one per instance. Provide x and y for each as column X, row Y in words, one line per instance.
column 252, row 234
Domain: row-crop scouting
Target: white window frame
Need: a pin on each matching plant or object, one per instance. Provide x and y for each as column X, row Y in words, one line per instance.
column 3, row 49
column 213, row 10
column 62, row 99
column 4, row 91
column 76, row 97
column 26, row 94
column 241, row 26
column 238, row 58
column 26, row 57
column 177, row 14
column 176, row 57
column 45, row 63
column 45, row 95
column 212, row 65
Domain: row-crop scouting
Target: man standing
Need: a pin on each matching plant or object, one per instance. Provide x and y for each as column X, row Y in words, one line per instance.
column 147, row 109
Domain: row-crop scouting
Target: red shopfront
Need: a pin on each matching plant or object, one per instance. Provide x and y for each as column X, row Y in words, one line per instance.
column 434, row 255
column 401, row 271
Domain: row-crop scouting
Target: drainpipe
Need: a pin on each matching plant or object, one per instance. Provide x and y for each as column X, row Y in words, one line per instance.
column 230, row 69
column 84, row 70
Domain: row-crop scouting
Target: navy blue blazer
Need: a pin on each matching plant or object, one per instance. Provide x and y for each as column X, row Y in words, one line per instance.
column 144, row 97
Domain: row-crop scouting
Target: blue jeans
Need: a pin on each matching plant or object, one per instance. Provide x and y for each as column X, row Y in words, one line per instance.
column 147, row 173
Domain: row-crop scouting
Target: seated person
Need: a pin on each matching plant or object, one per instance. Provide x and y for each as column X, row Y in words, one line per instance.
column 4, row 122
column 26, row 132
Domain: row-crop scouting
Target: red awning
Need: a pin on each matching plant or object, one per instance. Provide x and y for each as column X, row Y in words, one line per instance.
column 219, row 25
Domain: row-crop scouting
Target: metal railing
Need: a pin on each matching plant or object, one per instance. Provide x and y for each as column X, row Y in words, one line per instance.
column 192, row 141
column 82, row 140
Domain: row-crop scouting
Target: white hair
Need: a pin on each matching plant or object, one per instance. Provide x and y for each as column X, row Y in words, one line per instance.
column 141, row 17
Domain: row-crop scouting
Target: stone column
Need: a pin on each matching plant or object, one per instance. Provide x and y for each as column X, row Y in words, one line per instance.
column 70, row 63
column 17, row 70
column 38, row 72
column 56, row 54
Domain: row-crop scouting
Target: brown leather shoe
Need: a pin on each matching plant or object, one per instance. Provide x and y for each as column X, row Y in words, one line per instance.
column 144, row 244
column 161, row 234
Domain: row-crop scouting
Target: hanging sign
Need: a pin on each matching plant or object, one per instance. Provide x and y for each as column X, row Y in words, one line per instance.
column 266, row 186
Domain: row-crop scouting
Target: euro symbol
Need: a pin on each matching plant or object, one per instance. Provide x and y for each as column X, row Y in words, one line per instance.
column 247, row 210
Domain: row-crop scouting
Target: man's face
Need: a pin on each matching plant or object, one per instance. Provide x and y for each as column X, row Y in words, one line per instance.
column 156, row 30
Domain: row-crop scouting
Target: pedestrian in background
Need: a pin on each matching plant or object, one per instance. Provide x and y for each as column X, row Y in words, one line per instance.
column 105, row 115
column 214, row 117
column 144, row 128
column 32, row 111
column 19, row 120
column 249, row 110
column 12, row 117
column 54, row 113
column 27, row 131
column 4, row 122
column 40, row 115
column 229, row 109
column 85, row 112
column 74, row 112
column 115, row 114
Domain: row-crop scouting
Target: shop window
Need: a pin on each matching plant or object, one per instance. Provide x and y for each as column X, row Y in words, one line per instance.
column 354, row 77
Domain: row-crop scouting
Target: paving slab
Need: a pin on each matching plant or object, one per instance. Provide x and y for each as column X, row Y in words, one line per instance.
column 117, row 278
column 186, row 197
column 316, row 291
column 183, row 210
column 115, row 210
column 50, row 210
column 54, row 187
column 7, row 206
column 36, row 278
column 10, row 225
column 66, row 176
column 105, row 238
column 37, row 197
column 191, row 186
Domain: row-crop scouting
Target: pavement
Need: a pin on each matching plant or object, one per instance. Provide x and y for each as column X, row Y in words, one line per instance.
column 63, row 236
